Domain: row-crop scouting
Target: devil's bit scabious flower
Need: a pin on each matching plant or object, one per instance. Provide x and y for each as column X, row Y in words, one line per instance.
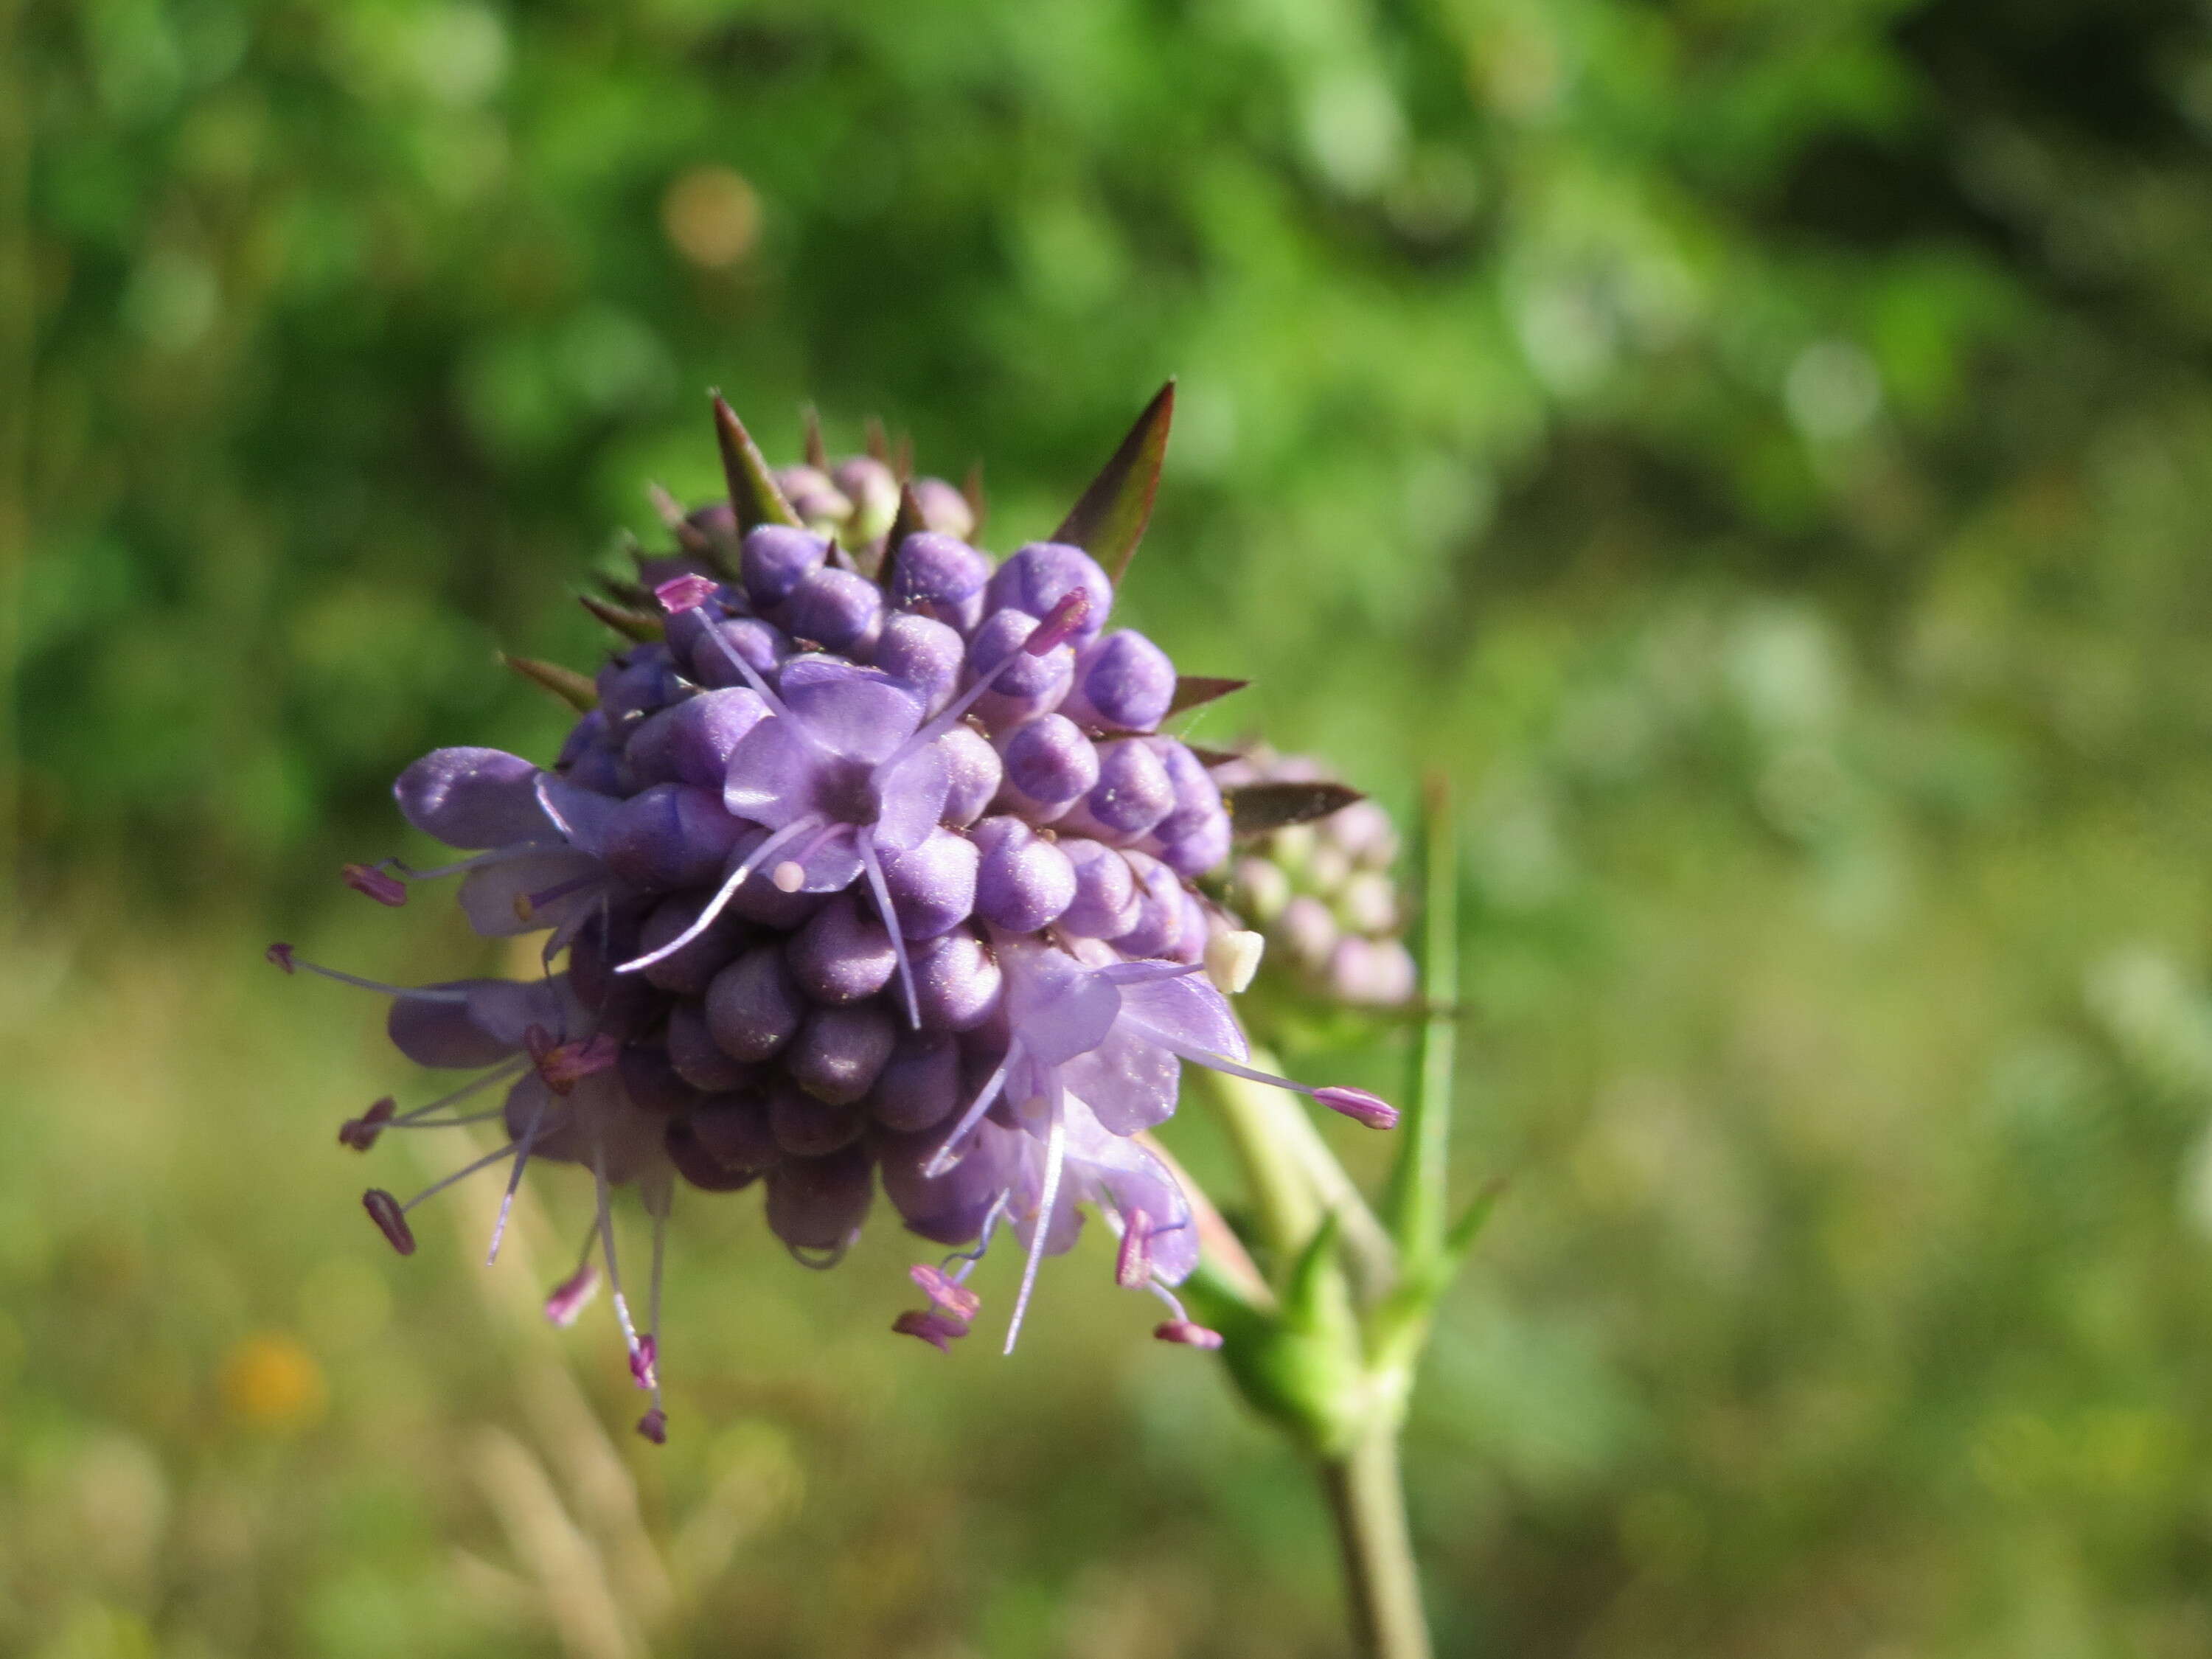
column 868, row 859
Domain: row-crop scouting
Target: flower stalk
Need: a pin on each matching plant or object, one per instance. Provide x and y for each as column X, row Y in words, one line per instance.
column 1333, row 1361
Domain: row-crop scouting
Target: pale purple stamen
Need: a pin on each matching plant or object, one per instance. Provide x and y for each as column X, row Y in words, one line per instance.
column 650, row 1347
column 687, row 592
column 372, row 882
column 415, row 1119
column 881, row 888
column 514, row 1181
column 1060, row 625
column 1356, row 1103
column 440, row 1186
column 1133, row 1262
column 944, row 1160
column 632, row 1343
column 285, row 957
column 641, row 1359
column 723, row 894
column 1055, row 1160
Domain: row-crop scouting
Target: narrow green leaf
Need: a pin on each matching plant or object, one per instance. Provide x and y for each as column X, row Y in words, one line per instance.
column 1306, row 1294
column 1469, row 1228
column 1258, row 809
column 1109, row 520
column 753, row 492
column 640, row 625
column 572, row 688
column 1195, row 690
column 1415, row 1207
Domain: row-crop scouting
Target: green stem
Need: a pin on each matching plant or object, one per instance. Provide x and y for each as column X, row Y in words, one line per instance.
column 1367, row 1502
column 1416, row 1204
column 16, row 300
column 1295, row 1178
column 1285, row 1207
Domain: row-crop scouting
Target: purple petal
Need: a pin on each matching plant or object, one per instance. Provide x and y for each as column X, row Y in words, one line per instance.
column 1128, row 1083
column 911, row 798
column 1057, row 1008
column 535, row 891
column 1188, row 1009
column 858, row 712
column 473, row 798
column 777, row 771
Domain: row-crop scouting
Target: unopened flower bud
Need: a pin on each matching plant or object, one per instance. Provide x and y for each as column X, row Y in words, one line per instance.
column 1232, row 956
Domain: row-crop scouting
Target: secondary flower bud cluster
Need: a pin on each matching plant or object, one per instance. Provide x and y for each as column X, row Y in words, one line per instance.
column 869, row 872
column 856, row 499
column 1322, row 893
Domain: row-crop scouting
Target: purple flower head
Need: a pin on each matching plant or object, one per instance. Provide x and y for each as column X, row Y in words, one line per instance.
column 874, row 862
column 845, row 774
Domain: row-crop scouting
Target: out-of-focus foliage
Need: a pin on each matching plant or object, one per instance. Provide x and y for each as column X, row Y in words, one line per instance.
column 1758, row 448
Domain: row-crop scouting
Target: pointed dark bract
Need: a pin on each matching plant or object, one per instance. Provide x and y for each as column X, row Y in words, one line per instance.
column 1109, row 519
column 1211, row 758
column 1194, row 690
column 753, row 492
column 817, row 455
column 573, row 688
column 689, row 537
column 878, row 447
column 908, row 522
column 902, row 457
column 1258, row 808
column 639, row 625
column 636, row 596
column 971, row 490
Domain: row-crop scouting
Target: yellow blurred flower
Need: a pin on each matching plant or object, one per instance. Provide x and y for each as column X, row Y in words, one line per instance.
column 273, row 1382
column 712, row 215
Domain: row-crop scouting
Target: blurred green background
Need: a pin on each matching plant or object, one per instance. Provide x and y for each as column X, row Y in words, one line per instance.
column 1758, row 449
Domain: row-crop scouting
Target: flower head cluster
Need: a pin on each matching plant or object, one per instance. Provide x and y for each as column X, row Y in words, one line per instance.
column 869, row 870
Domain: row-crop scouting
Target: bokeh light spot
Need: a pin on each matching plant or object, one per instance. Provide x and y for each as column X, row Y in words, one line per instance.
column 712, row 215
